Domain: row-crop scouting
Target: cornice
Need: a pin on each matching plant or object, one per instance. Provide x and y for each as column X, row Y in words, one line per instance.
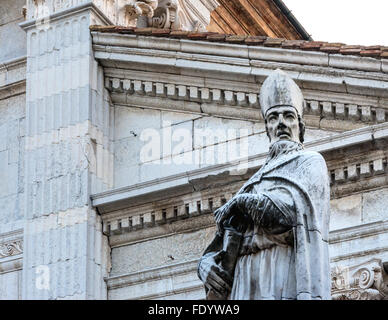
column 250, row 55
column 357, row 232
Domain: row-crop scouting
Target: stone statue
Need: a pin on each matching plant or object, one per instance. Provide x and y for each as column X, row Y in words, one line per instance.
column 272, row 236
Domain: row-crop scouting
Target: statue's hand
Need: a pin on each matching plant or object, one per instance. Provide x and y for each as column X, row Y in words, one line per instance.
column 218, row 280
column 226, row 211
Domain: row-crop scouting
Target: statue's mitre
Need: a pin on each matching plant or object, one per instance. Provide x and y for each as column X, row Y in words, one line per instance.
column 279, row 90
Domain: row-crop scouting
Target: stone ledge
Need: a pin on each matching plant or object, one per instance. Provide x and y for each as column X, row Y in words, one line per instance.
column 357, row 232
column 166, row 281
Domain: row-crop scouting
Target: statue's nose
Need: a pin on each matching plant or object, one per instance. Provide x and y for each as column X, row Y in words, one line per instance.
column 281, row 121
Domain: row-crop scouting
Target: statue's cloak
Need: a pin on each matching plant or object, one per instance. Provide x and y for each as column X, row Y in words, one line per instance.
column 298, row 186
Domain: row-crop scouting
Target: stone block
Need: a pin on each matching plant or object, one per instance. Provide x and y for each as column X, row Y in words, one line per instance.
column 345, row 212
column 241, row 98
column 127, row 85
column 211, row 130
column 253, row 100
column 353, row 112
column 352, row 172
column 339, row 175
column 130, row 121
column 136, row 257
column 229, row 97
column 378, row 166
column 138, row 87
column 365, row 169
column 182, row 92
column 126, row 176
column 374, row 206
column 314, row 106
column 3, row 137
column 340, row 111
column 315, row 134
column 366, row 114
column 171, row 90
column 380, row 115
column 9, row 286
column 174, row 118
column 205, row 94
column 327, row 110
column 193, row 93
column 149, row 88
column 216, row 95
column 160, row 89
column 4, row 173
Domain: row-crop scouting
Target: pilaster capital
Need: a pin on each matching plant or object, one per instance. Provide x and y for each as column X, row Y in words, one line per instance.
column 366, row 281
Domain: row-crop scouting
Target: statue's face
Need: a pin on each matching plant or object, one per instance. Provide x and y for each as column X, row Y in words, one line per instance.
column 282, row 124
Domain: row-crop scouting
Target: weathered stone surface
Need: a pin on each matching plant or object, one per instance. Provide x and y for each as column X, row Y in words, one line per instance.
column 345, row 212
column 374, row 206
column 12, row 38
column 181, row 247
column 10, row 285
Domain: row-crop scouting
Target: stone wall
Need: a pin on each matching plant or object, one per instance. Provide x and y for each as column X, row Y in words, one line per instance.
column 12, row 38
column 12, row 147
column 152, row 143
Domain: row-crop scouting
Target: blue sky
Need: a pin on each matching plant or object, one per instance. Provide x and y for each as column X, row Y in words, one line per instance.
column 363, row 22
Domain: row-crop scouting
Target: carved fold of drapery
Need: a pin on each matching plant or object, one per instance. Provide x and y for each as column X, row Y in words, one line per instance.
column 11, row 248
column 367, row 281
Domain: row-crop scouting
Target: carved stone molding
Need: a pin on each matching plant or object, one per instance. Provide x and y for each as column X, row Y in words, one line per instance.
column 327, row 110
column 12, row 248
column 366, row 281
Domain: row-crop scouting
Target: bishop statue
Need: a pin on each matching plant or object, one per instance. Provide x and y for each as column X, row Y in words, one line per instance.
column 271, row 241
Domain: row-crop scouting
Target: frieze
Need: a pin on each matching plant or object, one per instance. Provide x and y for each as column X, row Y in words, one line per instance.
column 321, row 109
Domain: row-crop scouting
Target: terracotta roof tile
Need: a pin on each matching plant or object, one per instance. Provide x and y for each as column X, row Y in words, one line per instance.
column 331, row 47
column 235, row 39
column 337, row 48
column 255, row 40
column 218, row 37
column 350, row 50
column 370, row 53
column 161, row 32
column 179, row 34
column 292, row 44
column 312, row 45
column 198, row 35
column 273, row 42
column 144, row 31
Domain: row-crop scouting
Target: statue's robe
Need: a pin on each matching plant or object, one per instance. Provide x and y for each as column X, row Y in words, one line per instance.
column 293, row 264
